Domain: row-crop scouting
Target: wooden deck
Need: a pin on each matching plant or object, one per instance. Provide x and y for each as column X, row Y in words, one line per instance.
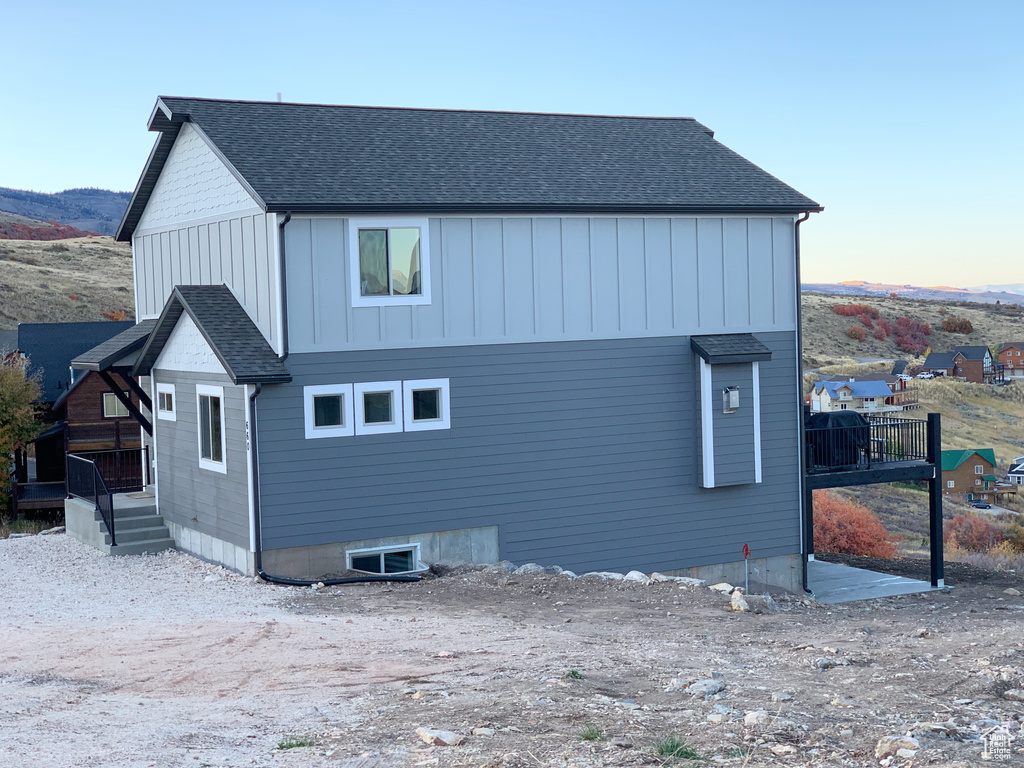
column 835, row 583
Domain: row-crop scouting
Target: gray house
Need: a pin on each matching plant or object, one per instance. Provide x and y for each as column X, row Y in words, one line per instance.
column 384, row 338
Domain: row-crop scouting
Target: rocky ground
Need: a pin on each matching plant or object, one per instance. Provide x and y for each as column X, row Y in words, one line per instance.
column 167, row 661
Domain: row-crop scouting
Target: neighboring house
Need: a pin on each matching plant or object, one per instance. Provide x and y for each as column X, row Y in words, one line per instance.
column 970, row 474
column 79, row 412
column 1011, row 357
column 865, row 394
column 1015, row 475
column 385, row 337
column 971, row 363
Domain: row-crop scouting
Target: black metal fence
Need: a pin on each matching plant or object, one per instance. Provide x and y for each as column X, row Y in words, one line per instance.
column 86, row 482
column 878, row 440
column 125, row 470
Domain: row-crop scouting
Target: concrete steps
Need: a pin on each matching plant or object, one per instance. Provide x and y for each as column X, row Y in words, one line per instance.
column 139, row 528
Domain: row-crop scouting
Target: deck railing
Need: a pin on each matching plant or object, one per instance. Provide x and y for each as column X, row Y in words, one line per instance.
column 86, row 482
column 125, row 470
column 883, row 440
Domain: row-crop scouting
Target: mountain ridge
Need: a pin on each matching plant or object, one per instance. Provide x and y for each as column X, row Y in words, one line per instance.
column 85, row 208
column 982, row 295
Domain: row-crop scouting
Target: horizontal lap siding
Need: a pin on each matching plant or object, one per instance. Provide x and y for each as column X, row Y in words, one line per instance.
column 219, row 503
column 584, row 454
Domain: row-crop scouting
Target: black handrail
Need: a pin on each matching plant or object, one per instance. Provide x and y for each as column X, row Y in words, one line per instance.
column 86, row 482
column 885, row 439
column 125, row 470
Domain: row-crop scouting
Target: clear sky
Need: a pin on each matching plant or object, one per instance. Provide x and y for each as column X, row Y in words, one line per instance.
column 904, row 118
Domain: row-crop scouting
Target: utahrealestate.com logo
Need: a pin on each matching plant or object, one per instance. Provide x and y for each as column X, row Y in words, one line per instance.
column 997, row 745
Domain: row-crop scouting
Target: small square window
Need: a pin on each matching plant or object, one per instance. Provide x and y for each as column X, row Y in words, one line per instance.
column 112, row 407
column 328, row 410
column 378, row 407
column 427, row 404
column 950, row 484
column 977, row 482
column 389, row 261
column 165, row 402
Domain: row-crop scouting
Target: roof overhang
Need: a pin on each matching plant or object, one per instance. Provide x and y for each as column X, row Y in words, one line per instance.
column 119, row 351
column 721, row 349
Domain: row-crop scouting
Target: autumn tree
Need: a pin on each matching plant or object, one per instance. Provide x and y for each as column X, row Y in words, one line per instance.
column 848, row 527
column 18, row 427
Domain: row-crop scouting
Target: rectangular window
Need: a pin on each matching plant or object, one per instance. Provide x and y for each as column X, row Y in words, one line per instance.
column 165, row 402
column 398, row 559
column 389, row 260
column 977, row 482
column 328, row 410
column 378, row 407
column 427, row 404
column 950, row 484
column 979, row 469
column 210, row 404
column 112, row 407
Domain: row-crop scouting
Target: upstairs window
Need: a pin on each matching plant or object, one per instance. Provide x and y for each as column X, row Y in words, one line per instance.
column 378, row 407
column 165, row 402
column 979, row 469
column 389, row 261
column 112, row 407
column 328, row 410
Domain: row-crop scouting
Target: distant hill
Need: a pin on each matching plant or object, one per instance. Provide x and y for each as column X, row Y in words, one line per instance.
column 92, row 210
column 984, row 295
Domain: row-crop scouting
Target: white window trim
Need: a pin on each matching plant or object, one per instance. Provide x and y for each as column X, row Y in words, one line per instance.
column 167, row 389
column 388, row 222
column 215, row 466
column 117, row 404
column 395, row 388
column 979, row 469
column 414, row 546
column 950, row 484
column 445, row 422
column 347, row 410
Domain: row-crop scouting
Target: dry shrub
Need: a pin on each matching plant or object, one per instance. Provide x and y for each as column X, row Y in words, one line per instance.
column 866, row 321
column 848, row 527
column 1001, row 557
column 850, row 367
column 116, row 315
column 879, row 333
column 972, row 533
column 957, row 325
column 884, row 326
column 857, row 333
column 852, row 310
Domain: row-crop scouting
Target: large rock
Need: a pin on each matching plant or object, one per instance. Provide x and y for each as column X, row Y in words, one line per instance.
column 739, row 602
column 1014, row 694
column 722, row 586
column 529, row 569
column 440, row 738
column 638, row 577
column 705, row 688
column 759, row 718
column 890, row 745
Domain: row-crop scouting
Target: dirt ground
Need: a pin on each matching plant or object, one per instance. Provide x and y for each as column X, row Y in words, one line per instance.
column 168, row 661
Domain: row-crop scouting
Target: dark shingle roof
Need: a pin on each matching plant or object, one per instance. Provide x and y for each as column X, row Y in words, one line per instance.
column 50, row 348
column 939, row 360
column 102, row 356
column 1014, row 344
column 230, row 332
column 971, row 352
column 324, row 158
column 730, row 348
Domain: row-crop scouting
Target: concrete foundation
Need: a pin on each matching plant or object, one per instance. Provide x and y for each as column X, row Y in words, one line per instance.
column 476, row 546
column 212, row 550
column 766, row 573
column 80, row 522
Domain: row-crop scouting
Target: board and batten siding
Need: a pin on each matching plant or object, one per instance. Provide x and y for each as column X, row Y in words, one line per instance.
column 584, row 454
column 550, row 278
column 219, row 503
column 202, row 227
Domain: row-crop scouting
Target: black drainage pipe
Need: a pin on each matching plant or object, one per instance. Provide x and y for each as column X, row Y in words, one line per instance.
column 258, row 549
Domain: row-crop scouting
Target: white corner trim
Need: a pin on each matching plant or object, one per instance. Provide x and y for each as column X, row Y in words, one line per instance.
column 345, row 391
column 385, row 222
column 377, row 428
column 215, row 466
column 251, row 484
column 755, row 375
column 707, row 431
column 445, row 422
column 171, row 415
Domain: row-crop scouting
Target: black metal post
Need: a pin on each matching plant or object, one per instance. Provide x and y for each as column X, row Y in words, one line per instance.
column 935, row 499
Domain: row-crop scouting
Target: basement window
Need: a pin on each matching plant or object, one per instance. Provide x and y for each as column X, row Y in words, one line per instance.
column 386, row 560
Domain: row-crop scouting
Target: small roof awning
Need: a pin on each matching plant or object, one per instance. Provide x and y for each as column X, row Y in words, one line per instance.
column 725, row 348
column 227, row 328
column 117, row 352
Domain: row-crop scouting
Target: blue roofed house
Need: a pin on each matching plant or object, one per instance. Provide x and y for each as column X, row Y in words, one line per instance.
column 862, row 396
column 388, row 337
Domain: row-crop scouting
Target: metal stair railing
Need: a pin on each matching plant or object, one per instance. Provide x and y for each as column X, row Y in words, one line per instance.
column 86, row 482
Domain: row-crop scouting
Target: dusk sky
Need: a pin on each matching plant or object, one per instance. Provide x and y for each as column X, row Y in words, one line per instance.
column 904, row 119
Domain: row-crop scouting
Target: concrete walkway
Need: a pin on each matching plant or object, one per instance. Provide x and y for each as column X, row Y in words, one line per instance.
column 835, row 583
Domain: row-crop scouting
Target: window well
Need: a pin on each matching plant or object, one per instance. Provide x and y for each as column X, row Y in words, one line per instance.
column 387, row 560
